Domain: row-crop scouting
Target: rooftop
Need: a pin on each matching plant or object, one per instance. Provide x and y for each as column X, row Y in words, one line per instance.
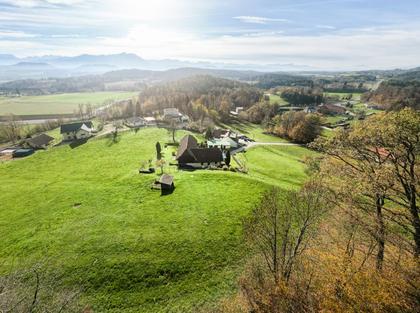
column 73, row 127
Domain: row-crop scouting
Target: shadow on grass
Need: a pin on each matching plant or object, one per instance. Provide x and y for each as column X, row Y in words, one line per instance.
column 238, row 125
column 112, row 139
column 167, row 192
column 77, row 143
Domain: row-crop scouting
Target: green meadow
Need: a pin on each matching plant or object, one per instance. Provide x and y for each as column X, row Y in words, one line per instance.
column 57, row 103
column 275, row 98
column 88, row 213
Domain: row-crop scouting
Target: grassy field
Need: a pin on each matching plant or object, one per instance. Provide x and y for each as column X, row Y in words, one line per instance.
column 343, row 95
column 56, row 104
column 253, row 131
column 89, row 214
column 277, row 99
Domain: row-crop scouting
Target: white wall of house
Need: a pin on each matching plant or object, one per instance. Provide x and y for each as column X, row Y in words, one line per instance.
column 81, row 133
column 203, row 165
column 69, row 136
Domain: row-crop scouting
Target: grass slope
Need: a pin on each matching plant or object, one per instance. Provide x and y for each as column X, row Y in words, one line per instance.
column 56, row 104
column 253, row 131
column 278, row 99
column 278, row 165
column 131, row 249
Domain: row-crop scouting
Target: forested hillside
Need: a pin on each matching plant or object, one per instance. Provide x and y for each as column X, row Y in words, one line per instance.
column 207, row 94
column 394, row 94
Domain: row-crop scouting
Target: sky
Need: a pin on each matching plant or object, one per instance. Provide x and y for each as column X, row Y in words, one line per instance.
column 317, row 34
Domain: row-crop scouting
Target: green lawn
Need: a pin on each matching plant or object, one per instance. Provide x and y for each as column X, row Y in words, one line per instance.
column 333, row 119
column 277, row 99
column 98, row 224
column 359, row 107
column 278, row 165
column 343, row 95
column 56, row 104
column 253, row 131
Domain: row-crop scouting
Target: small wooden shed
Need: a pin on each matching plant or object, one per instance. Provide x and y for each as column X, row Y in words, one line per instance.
column 167, row 182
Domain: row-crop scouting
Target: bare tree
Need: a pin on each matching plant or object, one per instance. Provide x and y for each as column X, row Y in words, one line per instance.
column 11, row 130
column 81, row 111
column 281, row 225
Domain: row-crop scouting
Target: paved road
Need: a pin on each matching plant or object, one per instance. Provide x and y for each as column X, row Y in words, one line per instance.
column 255, row 144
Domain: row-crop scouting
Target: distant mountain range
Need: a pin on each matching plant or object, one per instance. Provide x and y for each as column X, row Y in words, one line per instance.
column 13, row 68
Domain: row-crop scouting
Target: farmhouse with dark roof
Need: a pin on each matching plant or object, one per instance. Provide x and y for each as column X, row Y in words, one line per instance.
column 190, row 155
column 75, row 131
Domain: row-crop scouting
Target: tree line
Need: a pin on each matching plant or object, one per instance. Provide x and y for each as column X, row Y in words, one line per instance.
column 349, row 239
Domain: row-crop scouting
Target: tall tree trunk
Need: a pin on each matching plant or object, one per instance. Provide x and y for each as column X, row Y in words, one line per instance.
column 380, row 232
column 415, row 220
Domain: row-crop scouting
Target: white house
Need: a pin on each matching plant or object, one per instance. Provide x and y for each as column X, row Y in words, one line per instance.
column 76, row 131
column 136, row 122
column 223, row 143
column 150, row 120
column 172, row 114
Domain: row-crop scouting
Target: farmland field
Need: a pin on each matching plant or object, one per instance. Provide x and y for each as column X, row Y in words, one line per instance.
column 57, row 103
column 88, row 213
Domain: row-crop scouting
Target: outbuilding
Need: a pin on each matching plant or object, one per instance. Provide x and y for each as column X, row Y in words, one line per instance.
column 20, row 153
column 39, row 142
column 167, row 182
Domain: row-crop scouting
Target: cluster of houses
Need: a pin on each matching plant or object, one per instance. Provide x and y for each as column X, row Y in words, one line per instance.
column 169, row 115
column 70, row 132
column 325, row 108
column 26, row 147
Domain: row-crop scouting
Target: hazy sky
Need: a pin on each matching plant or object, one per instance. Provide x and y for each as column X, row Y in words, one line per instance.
column 328, row 34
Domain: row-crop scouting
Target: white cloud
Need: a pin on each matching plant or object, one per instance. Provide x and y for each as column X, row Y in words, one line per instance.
column 161, row 29
column 325, row 27
column 382, row 48
column 39, row 3
column 15, row 34
column 259, row 19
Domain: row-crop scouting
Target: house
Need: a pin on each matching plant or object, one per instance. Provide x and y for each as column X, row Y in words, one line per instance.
column 190, row 155
column 136, row 122
column 331, row 109
column 38, row 142
column 172, row 114
column 76, row 131
column 309, row 109
column 237, row 111
column 219, row 133
column 183, row 155
column 223, row 143
column 374, row 106
column 150, row 121
column 204, row 157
